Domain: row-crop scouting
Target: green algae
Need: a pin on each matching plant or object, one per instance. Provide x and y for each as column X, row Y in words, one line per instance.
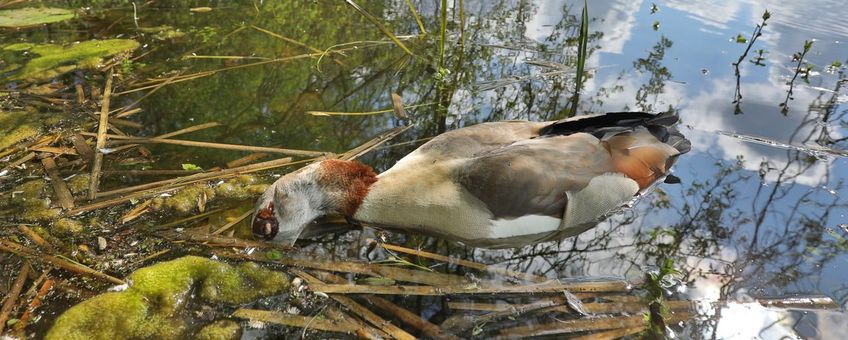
column 186, row 199
column 67, row 226
column 79, row 183
column 31, row 16
column 220, row 330
column 17, row 126
column 54, row 60
column 241, row 187
column 32, row 200
column 155, row 302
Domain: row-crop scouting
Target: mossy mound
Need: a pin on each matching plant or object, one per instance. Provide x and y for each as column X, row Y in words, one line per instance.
column 241, row 187
column 220, row 330
column 154, row 304
column 54, row 60
column 16, row 127
column 30, row 16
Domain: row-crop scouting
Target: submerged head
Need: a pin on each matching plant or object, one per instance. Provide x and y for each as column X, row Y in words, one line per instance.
column 324, row 188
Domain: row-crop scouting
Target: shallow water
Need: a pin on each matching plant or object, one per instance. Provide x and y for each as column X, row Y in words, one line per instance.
column 761, row 210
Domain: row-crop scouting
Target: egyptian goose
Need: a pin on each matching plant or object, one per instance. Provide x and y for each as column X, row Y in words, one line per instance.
column 493, row 185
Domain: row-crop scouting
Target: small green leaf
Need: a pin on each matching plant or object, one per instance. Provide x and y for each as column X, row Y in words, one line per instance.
column 11, row 322
column 741, row 39
column 274, row 255
column 191, row 167
column 656, row 25
column 766, row 15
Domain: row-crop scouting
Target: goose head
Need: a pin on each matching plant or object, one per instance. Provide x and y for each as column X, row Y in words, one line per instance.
column 330, row 187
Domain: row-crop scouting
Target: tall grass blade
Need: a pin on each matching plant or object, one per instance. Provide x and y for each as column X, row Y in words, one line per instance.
column 379, row 25
column 581, row 58
column 417, row 17
column 443, row 31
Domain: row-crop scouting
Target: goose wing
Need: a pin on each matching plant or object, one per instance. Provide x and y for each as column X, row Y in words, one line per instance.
column 535, row 174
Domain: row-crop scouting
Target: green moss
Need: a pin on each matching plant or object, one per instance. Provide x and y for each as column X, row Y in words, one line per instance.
column 16, row 127
column 241, row 187
column 54, row 60
column 67, row 226
column 220, row 330
column 185, row 200
column 155, row 301
column 30, row 16
column 79, row 183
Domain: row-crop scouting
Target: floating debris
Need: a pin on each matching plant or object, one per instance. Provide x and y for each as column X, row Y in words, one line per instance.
column 818, row 152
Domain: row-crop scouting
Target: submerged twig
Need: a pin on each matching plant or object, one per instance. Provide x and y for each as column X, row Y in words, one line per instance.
column 13, row 294
column 399, row 274
column 465, row 263
column 17, row 249
column 586, row 324
column 66, row 200
column 604, row 286
column 230, row 224
column 294, row 320
column 409, row 318
column 359, row 310
column 101, row 138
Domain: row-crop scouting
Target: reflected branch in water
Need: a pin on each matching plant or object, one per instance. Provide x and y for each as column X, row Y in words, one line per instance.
column 758, row 31
column 808, row 44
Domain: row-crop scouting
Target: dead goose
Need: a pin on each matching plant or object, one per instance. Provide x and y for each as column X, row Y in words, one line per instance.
column 494, row 185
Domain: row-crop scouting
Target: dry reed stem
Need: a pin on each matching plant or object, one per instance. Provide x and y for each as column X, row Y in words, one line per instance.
column 101, row 138
column 203, row 176
column 363, row 330
column 221, row 241
column 247, row 159
column 83, row 149
column 33, row 305
column 360, row 310
column 294, row 320
column 66, row 200
column 54, row 150
column 610, row 286
column 170, row 134
column 136, row 211
column 17, row 249
column 13, row 294
column 20, row 161
column 465, row 263
column 149, row 172
column 127, row 113
column 188, row 219
column 429, row 329
column 395, row 273
column 288, row 40
column 80, row 93
column 584, row 324
column 230, row 224
column 41, row 242
column 224, row 146
column 611, row 334
column 461, row 323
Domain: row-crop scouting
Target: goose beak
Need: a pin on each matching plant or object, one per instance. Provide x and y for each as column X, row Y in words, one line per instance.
column 265, row 225
column 265, row 228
